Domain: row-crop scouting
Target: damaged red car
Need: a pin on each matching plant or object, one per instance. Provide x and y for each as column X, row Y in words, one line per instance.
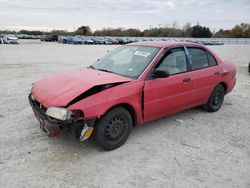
column 133, row 84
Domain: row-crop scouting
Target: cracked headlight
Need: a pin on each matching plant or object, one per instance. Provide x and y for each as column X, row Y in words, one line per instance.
column 59, row 113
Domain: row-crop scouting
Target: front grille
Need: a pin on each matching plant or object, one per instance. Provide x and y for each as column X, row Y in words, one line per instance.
column 40, row 105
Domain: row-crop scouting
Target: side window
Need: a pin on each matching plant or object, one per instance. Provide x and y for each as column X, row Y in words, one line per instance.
column 198, row 57
column 211, row 59
column 174, row 61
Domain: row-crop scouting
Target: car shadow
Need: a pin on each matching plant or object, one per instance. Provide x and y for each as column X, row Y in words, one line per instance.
column 66, row 147
column 69, row 141
column 169, row 121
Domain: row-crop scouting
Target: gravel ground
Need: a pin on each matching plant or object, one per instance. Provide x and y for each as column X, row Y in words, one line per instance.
column 192, row 149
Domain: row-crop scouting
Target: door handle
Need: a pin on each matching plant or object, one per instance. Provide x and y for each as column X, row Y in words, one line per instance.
column 217, row 73
column 186, row 80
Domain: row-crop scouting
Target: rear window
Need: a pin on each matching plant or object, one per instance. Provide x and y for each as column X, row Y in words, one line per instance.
column 198, row 57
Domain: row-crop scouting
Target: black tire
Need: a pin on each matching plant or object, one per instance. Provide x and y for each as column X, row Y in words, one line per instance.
column 113, row 129
column 215, row 100
column 249, row 67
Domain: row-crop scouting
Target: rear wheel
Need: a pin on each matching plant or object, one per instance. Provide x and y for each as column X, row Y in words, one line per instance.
column 249, row 67
column 215, row 100
column 113, row 129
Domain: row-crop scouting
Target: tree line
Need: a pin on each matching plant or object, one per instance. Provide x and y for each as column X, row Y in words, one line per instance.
column 186, row 31
column 239, row 31
column 197, row 31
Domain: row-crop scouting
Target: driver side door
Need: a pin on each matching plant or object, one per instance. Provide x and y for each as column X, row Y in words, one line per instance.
column 164, row 96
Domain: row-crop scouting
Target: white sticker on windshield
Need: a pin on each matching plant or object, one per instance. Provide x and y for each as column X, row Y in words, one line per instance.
column 141, row 53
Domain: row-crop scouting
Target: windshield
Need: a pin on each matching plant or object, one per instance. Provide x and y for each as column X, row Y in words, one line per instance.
column 129, row 61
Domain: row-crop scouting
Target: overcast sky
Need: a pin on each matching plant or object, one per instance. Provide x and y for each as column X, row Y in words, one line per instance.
column 70, row 14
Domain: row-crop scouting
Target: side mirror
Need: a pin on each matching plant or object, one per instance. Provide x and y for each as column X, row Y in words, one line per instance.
column 159, row 73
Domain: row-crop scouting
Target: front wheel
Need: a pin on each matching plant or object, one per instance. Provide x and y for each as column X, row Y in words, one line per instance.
column 215, row 100
column 113, row 129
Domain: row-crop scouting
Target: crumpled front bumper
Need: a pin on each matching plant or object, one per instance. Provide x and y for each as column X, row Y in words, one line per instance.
column 51, row 126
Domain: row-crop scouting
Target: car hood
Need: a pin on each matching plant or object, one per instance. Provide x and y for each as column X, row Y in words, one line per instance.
column 60, row 89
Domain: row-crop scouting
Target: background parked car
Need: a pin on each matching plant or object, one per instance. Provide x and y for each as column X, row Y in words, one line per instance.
column 10, row 39
column 25, row 36
column 49, row 38
column 114, row 41
column 63, row 39
column 120, row 41
column 74, row 40
column 98, row 40
column 88, row 41
column 108, row 41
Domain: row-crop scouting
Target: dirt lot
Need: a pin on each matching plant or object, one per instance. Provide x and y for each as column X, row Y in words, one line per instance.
column 190, row 149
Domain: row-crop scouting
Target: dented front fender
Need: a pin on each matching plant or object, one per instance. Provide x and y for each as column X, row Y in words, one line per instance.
column 96, row 105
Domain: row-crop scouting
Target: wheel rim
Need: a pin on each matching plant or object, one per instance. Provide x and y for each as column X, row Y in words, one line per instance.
column 115, row 129
column 217, row 98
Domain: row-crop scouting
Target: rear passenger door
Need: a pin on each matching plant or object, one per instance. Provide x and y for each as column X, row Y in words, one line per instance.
column 205, row 74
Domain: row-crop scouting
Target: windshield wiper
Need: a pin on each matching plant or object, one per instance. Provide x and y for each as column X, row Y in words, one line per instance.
column 91, row 67
column 105, row 70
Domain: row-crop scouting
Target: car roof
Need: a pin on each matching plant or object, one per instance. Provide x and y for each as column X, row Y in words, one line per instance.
column 169, row 44
column 163, row 44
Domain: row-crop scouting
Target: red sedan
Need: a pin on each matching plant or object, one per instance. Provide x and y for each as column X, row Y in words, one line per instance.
column 133, row 84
